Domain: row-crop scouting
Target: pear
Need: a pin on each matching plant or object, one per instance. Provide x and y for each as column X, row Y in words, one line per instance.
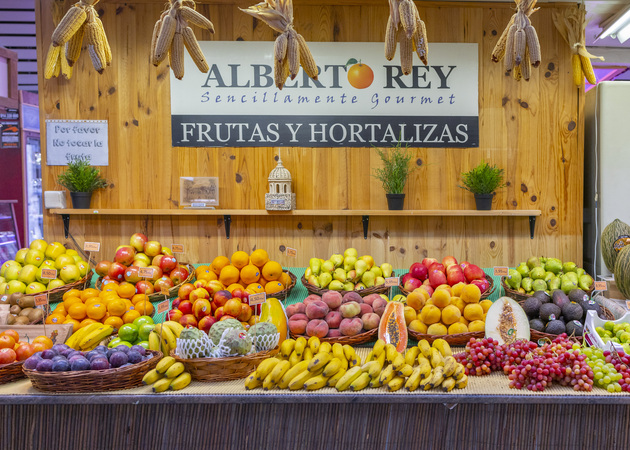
column 337, row 260
column 315, row 266
column 580, row 272
column 340, row 275
column 526, row 283
column 553, row 265
column 523, row 270
column 308, row 272
column 514, row 279
column 348, row 286
column 328, row 266
column 554, row 283
column 359, row 286
column 379, row 281
column 360, row 266
column 570, row 276
column 568, row 285
column 539, row 285
column 336, row 285
column 352, row 276
column 348, row 263
column 569, row 267
column 314, row 281
column 324, row 279
column 549, row 276
column 533, row 262
column 537, row 273
column 368, row 279
column 351, row 252
column 376, row 270
column 387, row 270
column 585, row 282
column 369, row 260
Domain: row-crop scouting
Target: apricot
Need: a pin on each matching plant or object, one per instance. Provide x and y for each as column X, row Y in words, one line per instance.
column 430, row 314
column 418, row 326
column 451, row 314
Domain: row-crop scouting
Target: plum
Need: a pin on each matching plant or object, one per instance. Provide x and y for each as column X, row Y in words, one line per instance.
column 45, row 365
column 60, row 347
column 61, row 365
column 73, row 353
column 118, row 359
column 59, row 358
column 138, row 348
column 122, row 348
column 101, row 349
column 134, row 356
column 48, row 354
column 99, row 364
column 92, row 354
column 110, row 352
column 31, row 363
column 80, row 364
column 66, row 352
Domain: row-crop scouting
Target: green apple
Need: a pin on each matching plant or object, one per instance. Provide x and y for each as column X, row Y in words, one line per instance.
column 70, row 273
column 48, row 264
column 38, row 275
column 144, row 330
column 28, row 274
column 34, row 288
column 39, row 244
column 54, row 250
column 6, row 265
column 351, row 252
column 71, row 252
column 55, row 284
column 34, row 257
column 83, row 268
column 16, row 286
column 77, row 258
column 63, row 260
column 12, row 272
column 21, row 253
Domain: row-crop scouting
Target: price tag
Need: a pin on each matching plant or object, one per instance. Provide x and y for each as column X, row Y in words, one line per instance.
column 164, row 292
column 391, row 281
column 291, row 252
column 41, row 300
column 162, row 307
column 145, row 272
column 257, row 299
column 501, row 271
column 49, row 274
column 91, row 247
column 177, row 248
column 627, row 304
column 601, row 286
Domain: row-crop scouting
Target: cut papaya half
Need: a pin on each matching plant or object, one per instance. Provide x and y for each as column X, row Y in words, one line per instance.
column 393, row 329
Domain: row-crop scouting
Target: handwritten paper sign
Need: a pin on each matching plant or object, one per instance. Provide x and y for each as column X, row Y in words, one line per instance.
column 177, row 248
column 41, row 300
column 291, row 252
column 501, row 271
column 391, row 281
column 91, row 247
column 67, row 138
column 145, row 272
column 162, row 307
column 257, row 299
column 49, row 274
column 601, row 286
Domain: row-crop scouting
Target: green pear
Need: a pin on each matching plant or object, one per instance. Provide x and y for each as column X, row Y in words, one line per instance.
column 569, row 267
column 387, row 270
column 359, row 286
column 549, row 276
column 337, row 260
column 514, row 279
column 379, row 281
column 533, row 262
column 368, row 278
column 352, row 276
column 348, row 286
column 336, row 285
column 360, row 266
column 580, row 272
column 351, row 252
column 314, row 280
column 570, row 276
column 377, row 271
column 523, row 270
column 527, row 283
column 553, row 265
column 308, row 272
column 340, row 274
column 539, row 285
column 521, row 290
column 348, row 263
column 537, row 273
column 328, row 266
column 315, row 266
column 324, row 279
column 554, row 283
column 585, row 282
column 543, row 260
column 568, row 285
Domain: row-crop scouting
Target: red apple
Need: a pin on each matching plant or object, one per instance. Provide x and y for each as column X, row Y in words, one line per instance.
column 449, row 261
column 464, row 264
column 473, row 272
column 206, row 322
column 102, row 268
column 419, row 271
column 132, row 274
column 232, row 307
column 152, row 248
column 221, row 297
column 188, row 320
column 455, row 276
column 157, row 274
column 436, row 278
column 185, row 306
column 426, row 262
column 406, row 277
column 168, row 263
column 116, row 271
column 178, row 275
column 144, row 287
column 437, row 266
column 202, row 308
column 198, row 293
column 412, row 283
column 124, row 255
column 185, row 290
column 157, row 261
column 176, row 302
column 246, row 313
column 163, row 283
column 137, row 241
column 482, row 284
column 107, row 280
column 174, row 315
column 218, row 313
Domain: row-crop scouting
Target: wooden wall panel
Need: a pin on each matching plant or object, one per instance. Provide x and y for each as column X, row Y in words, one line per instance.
column 531, row 129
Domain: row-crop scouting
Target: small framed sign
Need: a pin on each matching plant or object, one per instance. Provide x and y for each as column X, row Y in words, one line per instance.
column 391, row 281
column 162, row 307
column 49, row 274
column 145, row 272
column 257, row 299
column 91, row 247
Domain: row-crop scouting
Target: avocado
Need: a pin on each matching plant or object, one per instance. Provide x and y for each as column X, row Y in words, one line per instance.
column 555, row 327
column 572, row 311
column 578, row 296
column 542, row 296
column 591, row 305
column 549, row 312
column 537, row 324
column 574, row 328
column 560, row 298
column 532, row 307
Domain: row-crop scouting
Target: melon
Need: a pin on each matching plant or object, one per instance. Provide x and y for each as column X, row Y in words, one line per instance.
column 610, row 234
column 507, row 322
column 622, row 271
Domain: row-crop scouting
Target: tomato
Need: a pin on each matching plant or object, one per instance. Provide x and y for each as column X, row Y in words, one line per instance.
column 24, row 351
column 14, row 334
column 7, row 356
column 7, row 342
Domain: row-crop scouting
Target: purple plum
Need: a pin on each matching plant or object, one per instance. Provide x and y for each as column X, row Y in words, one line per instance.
column 45, row 365
column 134, row 357
column 80, row 364
column 48, row 354
column 118, row 359
column 99, row 364
column 31, row 363
column 61, row 366
column 140, row 349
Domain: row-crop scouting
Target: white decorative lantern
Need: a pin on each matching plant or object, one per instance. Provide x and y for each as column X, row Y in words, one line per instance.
column 280, row 196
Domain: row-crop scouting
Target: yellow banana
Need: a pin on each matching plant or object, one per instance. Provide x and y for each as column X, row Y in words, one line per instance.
column 405, row 371
column 298, row 381
column 308, row 354
column 360, row 382
column 436, row 358
column 319, row 361
column 265, row 368
column 315, row 383
column 162, row 384
column 77, row 337
column 181, row 381
column 286, row 348
column 460, row 371
column 166, row 335
column 313, row 344
column 292, row 373
column 151, row 377
column 395, row 384
column 350, row 355
column 450, row 364
column 462, row 382
column 386, row 375
column 425, row 368
column 398, row 362
column 337, row 351
column 175, row 370
column 381, row 359
column 164, row 364
column 300, row 345
column 373, row 368
column 414, row 380
column 332, row 367
column 278, row 371
column 448, row 384
column 92, row 339
column 350, row 375
column 332, row 381
column 251, row 382
column 443, row 347
column 294, row 358
column 375, row 383
column 370, row 357
column 175, row 327
column 154, row 342
column 411, row 355
column 325, row 347
column 425, row 348
column 437, row 376
column 379, row 346
column 268, row 384
column 391, row 353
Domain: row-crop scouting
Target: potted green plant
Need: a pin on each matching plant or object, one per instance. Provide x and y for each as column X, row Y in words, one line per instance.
column 394, row 173
column 81, row 180
column 483, row 181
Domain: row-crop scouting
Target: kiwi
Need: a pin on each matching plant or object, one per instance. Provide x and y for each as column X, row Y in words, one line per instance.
column 25, row 312
column 15, row 310
column 10, row 319
column 13, row 298
column 21, row 320
column 27, row 301
column 35, row 315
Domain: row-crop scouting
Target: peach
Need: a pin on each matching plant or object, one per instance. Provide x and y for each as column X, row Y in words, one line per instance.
column 351, row 297
column 295, row 309
column 332, row 299
column 350, row 309
column 369, row 299
column 379, row 306
column 351, row 327
column 370, row 321
column 365, row 309
column 333, row 319
column 311, row 298
column 316, row 310
column 298, row 326
column 333, row 332
column 317, row 328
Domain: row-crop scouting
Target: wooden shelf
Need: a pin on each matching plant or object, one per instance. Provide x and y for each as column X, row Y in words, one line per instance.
column 365, row 214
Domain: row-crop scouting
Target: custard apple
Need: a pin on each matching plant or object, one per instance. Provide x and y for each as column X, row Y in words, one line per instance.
column 217, row 329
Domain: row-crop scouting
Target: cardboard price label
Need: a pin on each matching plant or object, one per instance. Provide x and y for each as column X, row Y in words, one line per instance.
column 291, row 252
column 145, row 272
column 501, row 271
column 391, row 281
column 601, row 286
column 177, row 248
column 164, row 292
column 162, row 307
column 91, row 247
column 41, row 300
column 49, row 274
column 257, row 299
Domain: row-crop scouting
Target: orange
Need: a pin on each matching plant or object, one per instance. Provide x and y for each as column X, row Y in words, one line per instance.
column 55, row 319
column 255, row 288
column 262, row 282
column 94, row 301
column 78, row 311
column 114, row 322
column 126, row 290
column 207, row 275
column 71, row 293
column 272, row 271
column 139, row 298
column 229, row 274
column 239, row 259
column 250, row 274
column 86, row 322
column 89, row 292
column 285, row 279
column 46, row 341
column 360, row 76
column 75, row 324
column 259, row 257
column 38, row 347
column 117, row 307
column 96, row 311
column 219, row 263
column 201, row 269
column 69, row 301
column 61, row 309
column 273, row 286
column 109, row 293
column 144, row 308
column 130, row 316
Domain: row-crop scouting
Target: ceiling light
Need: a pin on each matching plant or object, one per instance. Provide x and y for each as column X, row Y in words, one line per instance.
column 618, row 26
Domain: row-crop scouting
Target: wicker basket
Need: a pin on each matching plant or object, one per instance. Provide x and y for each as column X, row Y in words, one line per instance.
column 223, row 369
column 56, row 295
column 360, row 338
column 487, row 293
column 11, row 372
column 282, row 295
column 93, row 380
column 536, row 335
column 520, row 298
column 460, row 339
column 172, row 292
column 312, row 289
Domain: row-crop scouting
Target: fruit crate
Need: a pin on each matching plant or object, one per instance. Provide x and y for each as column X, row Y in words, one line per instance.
column 593, row 339
column 361, row 338
column 11, row 372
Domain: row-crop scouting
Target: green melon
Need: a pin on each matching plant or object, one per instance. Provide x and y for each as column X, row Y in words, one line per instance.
column 622, row 271
column 610, row 234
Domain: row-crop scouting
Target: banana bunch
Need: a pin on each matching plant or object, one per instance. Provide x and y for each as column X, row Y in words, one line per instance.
column 404, row 25
column 303, row 364
column 164, row 336
column 168, row 374
column 89, row 336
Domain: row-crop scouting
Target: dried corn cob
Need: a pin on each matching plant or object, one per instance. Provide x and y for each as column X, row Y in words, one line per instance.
column 520, row 44
column 407, row 17
column 499, row 48
column 106, row 47
column 70, row 24
column 306, row 58
column 95, row 45
column 578, row 75
column 405, row 26
column 508, row 60
column 406, row 54
column 190, row 41
column 165, row 38
column 176, row 55
column 280, row 46
column 66, row 69
column 390, row 39
column 197, row 19
column 51, row 61
column 74, row 45
column 423, row 51
column 587, row 68
column 154, row 38
column 293, row 54
column 533, row 45
column 526, row 69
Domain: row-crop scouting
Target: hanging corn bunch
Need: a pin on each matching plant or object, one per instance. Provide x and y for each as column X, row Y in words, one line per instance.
column 571, row 23
column 290, row 49
column 80, row 21
column 518, row 46
column 58, row 64
column 172, row 33
column 405, row 26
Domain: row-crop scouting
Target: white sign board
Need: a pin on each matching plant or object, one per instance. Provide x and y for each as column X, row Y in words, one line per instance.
column 65, row 138
column 359, row 100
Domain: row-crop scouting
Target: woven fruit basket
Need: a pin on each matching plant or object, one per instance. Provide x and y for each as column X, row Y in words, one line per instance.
column 282, row 295
column 536, row 335
column 460, row 339
column 485, row 294
column 11, row 372
column 312, row 289
column 223, row 369
column 172, row 292
column 56, row 295
column 520, row 297
column 358, row 339
column 93, row 380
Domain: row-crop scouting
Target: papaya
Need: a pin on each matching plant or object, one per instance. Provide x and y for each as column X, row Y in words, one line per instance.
column 392, row 328
column 273, row 311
